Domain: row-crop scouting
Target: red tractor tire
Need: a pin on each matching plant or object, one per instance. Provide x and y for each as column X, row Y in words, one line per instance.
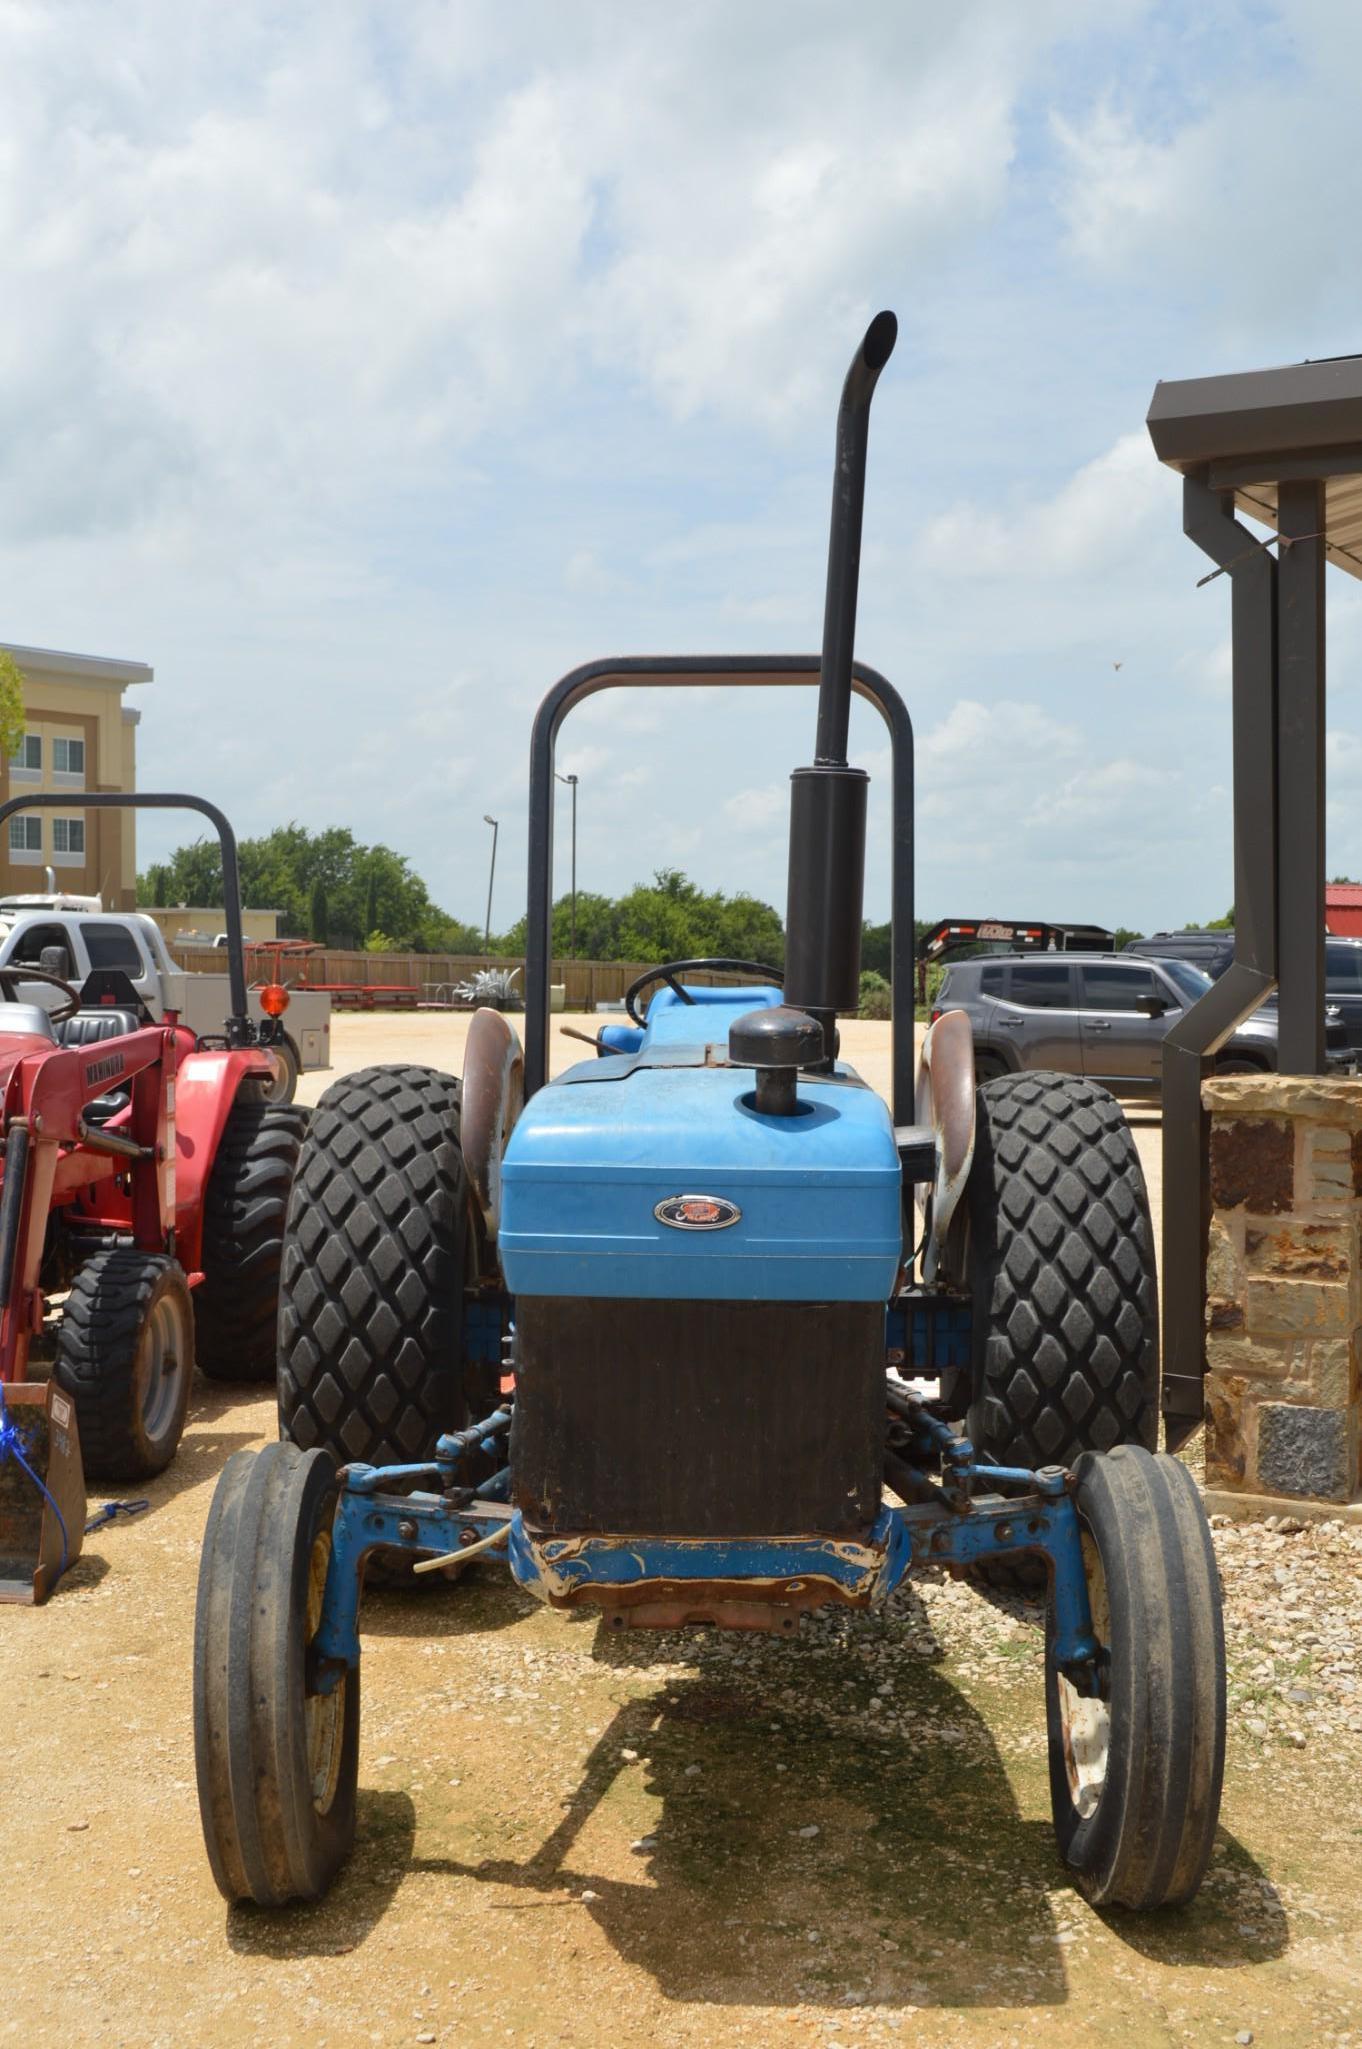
column 237, row 1303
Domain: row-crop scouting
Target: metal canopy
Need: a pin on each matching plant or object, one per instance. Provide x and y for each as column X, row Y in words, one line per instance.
column 1249, row 432
column 1284, row 448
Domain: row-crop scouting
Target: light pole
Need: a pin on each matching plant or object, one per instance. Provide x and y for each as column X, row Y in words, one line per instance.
column 571, row 781
column 491, row 877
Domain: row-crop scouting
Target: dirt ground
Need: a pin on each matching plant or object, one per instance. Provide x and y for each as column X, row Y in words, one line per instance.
column 678, row 1839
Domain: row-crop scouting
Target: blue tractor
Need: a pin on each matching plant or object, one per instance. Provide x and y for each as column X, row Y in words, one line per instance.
column 702, row 1331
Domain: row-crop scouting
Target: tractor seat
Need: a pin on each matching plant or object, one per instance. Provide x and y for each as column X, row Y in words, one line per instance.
column 26, row 1017
column 88, row 1027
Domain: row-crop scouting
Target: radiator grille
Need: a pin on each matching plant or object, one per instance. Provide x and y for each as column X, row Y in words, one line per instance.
column 698, row 1418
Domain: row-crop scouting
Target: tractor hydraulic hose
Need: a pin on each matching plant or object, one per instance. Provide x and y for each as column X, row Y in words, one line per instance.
column 844, row 539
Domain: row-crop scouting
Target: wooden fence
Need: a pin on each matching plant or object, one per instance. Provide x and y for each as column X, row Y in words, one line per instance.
column 430, row 975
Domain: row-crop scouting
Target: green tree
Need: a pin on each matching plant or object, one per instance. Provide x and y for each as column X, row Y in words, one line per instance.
column 13, row 718
column 365, row 888
column 317, row 912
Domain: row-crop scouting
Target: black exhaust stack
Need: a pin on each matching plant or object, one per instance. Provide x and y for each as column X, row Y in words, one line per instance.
column 827, row 801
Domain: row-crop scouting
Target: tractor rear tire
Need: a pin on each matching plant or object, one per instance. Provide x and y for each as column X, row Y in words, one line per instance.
column 236, row 1305
column 125, row 1355
column 1061, row 1267
column 1135, row 1772
column 277, row 1762
column 371, row 1288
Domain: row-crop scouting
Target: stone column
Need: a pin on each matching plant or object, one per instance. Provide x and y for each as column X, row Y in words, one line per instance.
column 1284, row 1287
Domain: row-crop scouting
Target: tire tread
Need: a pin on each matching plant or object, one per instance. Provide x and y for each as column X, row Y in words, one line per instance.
column 1065, row 1290
column 371, row 1284
column 96, row 1358
column 236, row 1305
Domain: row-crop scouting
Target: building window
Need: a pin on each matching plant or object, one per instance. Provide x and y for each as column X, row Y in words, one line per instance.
column 26, row 840
column 27, row 764
column 68, row 842
column 68, row 761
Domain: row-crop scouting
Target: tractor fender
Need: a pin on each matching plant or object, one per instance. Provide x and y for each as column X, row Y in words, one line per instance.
column 945, row 1101
column 205, row 1089
column 493, row 1097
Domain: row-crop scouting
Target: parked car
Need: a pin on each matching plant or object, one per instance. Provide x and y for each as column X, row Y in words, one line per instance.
column 1213, row 952
column 1103, row 1015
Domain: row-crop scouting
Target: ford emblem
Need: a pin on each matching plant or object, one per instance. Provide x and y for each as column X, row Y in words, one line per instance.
column 697, row 1212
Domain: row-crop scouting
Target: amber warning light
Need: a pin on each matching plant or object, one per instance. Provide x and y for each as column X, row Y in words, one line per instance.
column 274, row 999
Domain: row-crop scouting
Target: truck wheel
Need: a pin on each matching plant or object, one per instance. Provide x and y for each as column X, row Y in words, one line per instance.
column 277, row 1763
column 1135, row 1773
column 1061, row 1267
column 371, row 1289
column 236, row 1305
column 125, row 1355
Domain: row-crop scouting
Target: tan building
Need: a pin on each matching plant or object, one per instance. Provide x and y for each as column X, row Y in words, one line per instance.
column 80, row 736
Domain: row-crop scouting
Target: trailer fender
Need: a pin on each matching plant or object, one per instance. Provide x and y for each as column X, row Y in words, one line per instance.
column 945, row 1101
column 493, row 1097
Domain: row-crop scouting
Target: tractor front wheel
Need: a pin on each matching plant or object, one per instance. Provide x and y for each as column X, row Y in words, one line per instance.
column 277, row 1761
column 125, row 1355
column 1136, row 1768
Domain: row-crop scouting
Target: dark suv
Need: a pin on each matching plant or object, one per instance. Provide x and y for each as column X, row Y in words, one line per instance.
column 1213, row 952
column 1101, row 1015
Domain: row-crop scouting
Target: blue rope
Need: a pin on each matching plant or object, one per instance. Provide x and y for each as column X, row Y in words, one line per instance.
column 12, row 1446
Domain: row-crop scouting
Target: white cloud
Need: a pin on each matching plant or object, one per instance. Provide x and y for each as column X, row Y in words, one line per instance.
column 763, row 809
column 1224, row 184
column 1104, row 512
column 366, row 369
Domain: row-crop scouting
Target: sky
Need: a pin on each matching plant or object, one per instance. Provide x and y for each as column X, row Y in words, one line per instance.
column 365, row 368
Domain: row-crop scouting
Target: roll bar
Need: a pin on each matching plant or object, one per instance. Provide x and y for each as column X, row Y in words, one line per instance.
column 239, row 1029
column 705, row 671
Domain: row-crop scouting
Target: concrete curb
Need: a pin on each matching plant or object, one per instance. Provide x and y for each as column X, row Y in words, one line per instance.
column 1247, row 1508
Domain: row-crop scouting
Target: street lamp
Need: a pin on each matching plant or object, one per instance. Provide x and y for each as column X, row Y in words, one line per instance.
column 487, row 819
column 571, row 781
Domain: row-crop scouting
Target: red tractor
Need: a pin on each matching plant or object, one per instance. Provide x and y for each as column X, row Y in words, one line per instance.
column 144, row 1175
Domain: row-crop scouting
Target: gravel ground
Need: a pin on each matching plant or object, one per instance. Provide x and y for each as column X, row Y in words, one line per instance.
column 692, row 1838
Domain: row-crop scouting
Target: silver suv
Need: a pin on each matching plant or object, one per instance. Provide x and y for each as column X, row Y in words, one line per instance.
column 1098, row 1014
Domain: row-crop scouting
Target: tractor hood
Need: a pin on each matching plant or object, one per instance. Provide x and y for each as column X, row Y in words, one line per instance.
column 19, row 1045
column 651, row 1175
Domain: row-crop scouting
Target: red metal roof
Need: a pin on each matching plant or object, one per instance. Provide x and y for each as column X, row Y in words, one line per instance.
column 1343, row 909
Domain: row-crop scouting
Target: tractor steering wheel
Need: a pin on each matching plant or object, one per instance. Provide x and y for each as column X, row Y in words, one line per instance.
column 11, row 978
column 668, row 970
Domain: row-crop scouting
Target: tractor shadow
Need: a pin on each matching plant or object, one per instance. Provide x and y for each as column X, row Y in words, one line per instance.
column 482, row 1598
column 796, row 1851
column 800, row 1853
column 385, row 1831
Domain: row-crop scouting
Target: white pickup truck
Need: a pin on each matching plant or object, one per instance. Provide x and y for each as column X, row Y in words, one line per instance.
column 71, row 943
